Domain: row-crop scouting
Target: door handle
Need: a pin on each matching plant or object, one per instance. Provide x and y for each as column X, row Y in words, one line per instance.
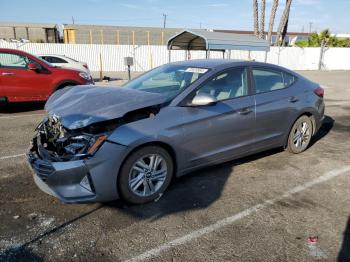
column 7, row 74
column 245, row 111
column 293, row 99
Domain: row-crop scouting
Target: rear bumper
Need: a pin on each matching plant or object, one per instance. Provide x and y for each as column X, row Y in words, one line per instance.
column 80, row 181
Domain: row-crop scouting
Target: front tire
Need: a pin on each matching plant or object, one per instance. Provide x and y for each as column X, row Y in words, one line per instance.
column 300, row 135
column 145, row 175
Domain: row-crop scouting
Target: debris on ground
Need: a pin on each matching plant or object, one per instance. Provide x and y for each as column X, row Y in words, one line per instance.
column 160, row 195
column 32, row 216
column 16, row 217
column 312, row 240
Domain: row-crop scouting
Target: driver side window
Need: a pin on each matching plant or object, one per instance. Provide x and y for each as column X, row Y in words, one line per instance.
column 230, row 84
column 8, row 60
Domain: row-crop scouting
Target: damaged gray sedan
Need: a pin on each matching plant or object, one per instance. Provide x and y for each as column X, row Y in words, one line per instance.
column 104, row 143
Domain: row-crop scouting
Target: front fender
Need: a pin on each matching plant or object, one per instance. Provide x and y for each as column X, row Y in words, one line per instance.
column 131, row 136
column 165, row 128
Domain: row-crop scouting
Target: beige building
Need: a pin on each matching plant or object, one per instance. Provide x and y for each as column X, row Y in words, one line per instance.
column 40, row 33
column 117, row 35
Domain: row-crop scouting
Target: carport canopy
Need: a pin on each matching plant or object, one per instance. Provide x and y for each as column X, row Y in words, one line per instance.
column 215, row 41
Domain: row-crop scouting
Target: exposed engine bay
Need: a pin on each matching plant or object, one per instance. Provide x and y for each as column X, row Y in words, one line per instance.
column 56, row 143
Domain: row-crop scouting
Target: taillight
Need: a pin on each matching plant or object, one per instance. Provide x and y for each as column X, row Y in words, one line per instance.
column 86, row 66
column 319, row 91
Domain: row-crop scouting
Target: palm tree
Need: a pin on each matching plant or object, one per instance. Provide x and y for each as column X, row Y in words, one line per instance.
column 262, row 19
column 256, row 18
column 272, row 20
column 283, row 22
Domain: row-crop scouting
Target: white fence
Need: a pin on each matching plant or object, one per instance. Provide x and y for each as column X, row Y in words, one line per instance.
column 146, row 57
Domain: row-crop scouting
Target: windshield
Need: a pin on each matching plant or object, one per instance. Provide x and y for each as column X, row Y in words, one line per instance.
column 169, row 80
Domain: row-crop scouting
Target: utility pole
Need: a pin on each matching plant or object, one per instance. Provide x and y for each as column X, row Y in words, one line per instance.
column 310, row 27
column 72, row 20
column 200, row 25
column 164, row 20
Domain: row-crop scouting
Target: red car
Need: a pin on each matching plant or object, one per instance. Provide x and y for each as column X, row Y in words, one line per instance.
column 24, row 77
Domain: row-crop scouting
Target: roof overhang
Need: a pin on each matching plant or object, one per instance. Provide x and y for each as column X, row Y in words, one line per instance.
column 216, row 41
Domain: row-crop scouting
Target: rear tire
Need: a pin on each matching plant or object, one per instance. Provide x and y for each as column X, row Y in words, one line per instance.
column 145, row 175
column 300, row 135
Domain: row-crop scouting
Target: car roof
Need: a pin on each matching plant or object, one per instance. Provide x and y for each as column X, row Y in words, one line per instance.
column 215, row 63
column 225, row 63
column 51, row 55
column 207, row 63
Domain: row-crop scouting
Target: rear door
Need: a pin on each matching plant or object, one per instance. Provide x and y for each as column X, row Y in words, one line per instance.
column 20, row 84
column 276, row 101
column 225, row 130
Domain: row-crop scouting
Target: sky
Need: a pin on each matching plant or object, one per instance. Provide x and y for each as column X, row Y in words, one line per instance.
column 210, row 14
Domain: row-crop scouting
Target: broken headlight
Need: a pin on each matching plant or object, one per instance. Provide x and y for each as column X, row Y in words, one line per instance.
column 61, row 144
column 83, row 144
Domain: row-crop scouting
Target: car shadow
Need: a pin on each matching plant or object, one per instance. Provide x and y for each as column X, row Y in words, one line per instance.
column 197, row 190
column 326, row 127
column 20, row 253
column 344, row 254
column 21, row 107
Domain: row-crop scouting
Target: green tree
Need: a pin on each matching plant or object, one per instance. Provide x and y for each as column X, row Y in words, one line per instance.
column 323, row 38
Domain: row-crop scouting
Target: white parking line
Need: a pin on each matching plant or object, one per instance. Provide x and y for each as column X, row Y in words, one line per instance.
column 13, row 156
column 17, row 116
column 232, row 219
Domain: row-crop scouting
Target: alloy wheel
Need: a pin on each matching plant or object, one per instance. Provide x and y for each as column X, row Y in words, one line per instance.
column 301, row 135
column 147, row 175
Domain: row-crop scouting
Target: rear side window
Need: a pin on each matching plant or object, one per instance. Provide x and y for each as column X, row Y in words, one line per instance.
column 288, row 79
column 267, row 80
column 55, row 60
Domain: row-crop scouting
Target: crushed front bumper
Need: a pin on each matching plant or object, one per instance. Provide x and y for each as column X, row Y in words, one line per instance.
column 89, row 180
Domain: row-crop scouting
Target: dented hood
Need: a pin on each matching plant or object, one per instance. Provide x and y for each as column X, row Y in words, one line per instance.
column 80, row 106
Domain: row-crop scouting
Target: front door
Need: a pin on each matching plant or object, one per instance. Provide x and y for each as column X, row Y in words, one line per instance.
column 224, row 130
column 20, row 84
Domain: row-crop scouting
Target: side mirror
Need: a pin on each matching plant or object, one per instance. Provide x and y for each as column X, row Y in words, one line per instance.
column 33, row 67
column 203, row 100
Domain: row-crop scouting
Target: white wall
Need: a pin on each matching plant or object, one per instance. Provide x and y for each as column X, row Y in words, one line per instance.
column 147, row 57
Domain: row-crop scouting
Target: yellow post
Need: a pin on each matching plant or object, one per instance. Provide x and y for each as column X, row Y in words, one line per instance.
column 118, row 38
column 91, row 37
column 66, row 37
column 102, row 37
column 148, row 38
column 101, row 72
column 133, row 38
